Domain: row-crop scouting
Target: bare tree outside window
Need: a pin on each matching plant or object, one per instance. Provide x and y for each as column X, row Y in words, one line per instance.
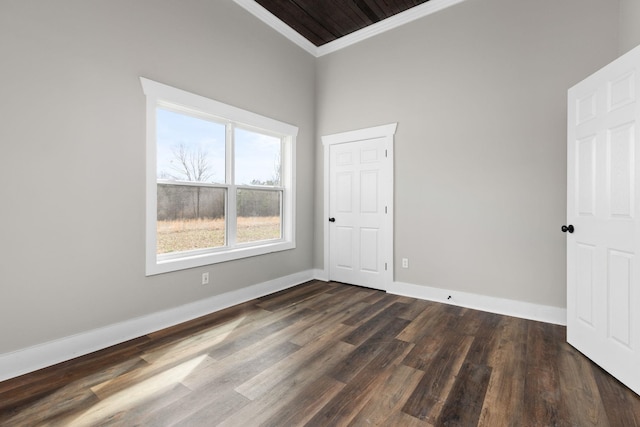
column 190, row 164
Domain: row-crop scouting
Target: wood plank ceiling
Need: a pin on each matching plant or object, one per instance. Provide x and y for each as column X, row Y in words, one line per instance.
column 323, row 21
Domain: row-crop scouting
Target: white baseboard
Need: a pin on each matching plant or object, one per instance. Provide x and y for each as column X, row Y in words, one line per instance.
column 50, row 353
column 525, row 310
column 319, row 274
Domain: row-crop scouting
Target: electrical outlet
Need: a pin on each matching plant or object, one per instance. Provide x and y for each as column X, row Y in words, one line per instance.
column 405, row 262
column 205, row 278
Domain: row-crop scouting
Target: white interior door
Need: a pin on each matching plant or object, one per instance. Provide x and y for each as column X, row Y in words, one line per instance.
column 359, row 214
column 603, row 184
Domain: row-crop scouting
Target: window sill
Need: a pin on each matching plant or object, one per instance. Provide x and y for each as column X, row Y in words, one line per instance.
column 155, row 266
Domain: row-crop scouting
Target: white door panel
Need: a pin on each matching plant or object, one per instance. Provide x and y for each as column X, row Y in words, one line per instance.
column 369, row 190
column 344, row 247
column 603, row 286
column 344, row 192
column 370, row 260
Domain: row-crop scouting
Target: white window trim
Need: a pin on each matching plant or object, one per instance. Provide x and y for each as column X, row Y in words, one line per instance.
column 157, row 93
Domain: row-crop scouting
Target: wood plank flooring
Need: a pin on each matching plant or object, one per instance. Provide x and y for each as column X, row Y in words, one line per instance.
column 328, row 354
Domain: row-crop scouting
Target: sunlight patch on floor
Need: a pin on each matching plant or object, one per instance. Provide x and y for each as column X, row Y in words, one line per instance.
column 193, row 344
column 136, row 394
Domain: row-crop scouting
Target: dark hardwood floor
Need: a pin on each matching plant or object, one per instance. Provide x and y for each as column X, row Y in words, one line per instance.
column 328, row 354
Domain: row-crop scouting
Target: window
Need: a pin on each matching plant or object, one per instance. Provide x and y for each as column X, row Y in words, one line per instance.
column 220, row 181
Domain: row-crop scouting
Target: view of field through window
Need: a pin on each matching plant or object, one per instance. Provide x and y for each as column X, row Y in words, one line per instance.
column 193, row 185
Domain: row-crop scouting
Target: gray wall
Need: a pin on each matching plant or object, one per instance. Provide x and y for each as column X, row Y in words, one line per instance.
column 73, row 157
column 479, row 94
column 629, row 25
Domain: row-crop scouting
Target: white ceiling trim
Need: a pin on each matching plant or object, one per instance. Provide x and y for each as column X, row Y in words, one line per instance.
column 390, row 23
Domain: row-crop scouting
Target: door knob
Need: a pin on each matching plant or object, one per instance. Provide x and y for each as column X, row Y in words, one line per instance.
column 568, row 228
column 332, row 219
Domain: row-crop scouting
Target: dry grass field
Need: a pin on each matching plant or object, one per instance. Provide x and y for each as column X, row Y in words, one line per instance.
column 183, row 235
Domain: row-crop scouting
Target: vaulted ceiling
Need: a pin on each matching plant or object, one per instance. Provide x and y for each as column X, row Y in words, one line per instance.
column 323, row 21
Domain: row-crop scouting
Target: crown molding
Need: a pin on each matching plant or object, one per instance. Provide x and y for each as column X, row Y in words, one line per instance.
column 390, row 23
column 271, row 20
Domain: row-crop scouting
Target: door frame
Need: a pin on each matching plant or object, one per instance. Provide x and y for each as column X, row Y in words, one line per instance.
column 383, row 131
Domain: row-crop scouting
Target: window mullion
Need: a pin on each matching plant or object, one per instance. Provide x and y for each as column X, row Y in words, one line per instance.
column 231, row 192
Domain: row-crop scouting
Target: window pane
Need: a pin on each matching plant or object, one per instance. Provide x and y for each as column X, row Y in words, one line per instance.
column 257, row 158
column 189, row 148
column 190, row 217
column 258, row 215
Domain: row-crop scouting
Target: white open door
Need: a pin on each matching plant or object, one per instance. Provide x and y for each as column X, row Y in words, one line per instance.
column 359, row 217
column 603, row 229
